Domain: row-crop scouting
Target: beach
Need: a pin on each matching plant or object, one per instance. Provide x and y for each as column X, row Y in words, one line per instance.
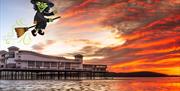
column 118, row 84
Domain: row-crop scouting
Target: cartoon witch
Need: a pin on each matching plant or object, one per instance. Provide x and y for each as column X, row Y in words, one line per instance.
column 43, row 9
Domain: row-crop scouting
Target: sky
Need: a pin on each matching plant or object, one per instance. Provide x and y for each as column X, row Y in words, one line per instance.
column 127, row 35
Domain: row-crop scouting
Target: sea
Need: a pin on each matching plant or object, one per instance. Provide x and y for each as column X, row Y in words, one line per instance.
column 116, row 84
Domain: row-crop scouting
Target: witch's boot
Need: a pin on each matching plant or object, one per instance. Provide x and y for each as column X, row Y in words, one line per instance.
column 41, row 32
column 34, row 32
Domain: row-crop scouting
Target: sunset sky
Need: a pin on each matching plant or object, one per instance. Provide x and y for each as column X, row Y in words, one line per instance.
column 127, row 35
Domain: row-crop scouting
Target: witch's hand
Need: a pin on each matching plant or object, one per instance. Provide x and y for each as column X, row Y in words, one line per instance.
column 50, row 20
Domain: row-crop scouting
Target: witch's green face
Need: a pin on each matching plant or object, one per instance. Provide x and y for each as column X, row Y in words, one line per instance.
column 41, row 6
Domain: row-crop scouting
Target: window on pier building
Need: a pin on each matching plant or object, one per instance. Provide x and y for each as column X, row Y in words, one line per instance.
column 1, row 66
column 47, row 64
column 11, row 55
column 53, row 64
column 75, row 65
column 38, row 64
column 31, row 64
column 61, row 64
column 67, row 65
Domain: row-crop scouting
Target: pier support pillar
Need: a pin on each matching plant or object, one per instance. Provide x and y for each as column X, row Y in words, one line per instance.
column 65, row 75
column 0, row 75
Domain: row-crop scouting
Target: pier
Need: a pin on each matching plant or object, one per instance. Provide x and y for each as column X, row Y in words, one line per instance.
column 16, row 64
column 42, row 74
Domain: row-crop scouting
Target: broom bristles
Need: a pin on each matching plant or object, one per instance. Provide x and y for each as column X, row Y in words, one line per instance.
column 20, row 31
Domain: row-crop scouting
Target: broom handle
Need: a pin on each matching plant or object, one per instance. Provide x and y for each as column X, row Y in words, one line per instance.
column 56, row 17
column 31, row 27
column 52, row 19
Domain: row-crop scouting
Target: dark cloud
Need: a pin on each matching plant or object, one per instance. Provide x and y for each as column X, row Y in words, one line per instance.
column 86, row 41
column 88, row 50
column 41, row 46
column 91, row 51
column 38, row 47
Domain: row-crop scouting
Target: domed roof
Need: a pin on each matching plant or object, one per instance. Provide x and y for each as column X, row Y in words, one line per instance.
column 78, row 55
column 13, row 48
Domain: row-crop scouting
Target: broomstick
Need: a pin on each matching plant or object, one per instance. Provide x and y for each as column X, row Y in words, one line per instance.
column 21, row 30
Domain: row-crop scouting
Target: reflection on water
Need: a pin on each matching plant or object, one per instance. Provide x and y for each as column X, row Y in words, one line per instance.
column 122, row 84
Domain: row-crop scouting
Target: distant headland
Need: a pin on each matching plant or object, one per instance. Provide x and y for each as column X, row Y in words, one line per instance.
column 140, row 74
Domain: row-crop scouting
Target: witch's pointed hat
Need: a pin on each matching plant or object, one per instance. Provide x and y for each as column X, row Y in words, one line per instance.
column 45, row 1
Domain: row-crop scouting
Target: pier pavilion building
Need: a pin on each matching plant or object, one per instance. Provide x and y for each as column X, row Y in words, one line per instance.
column 22, row 59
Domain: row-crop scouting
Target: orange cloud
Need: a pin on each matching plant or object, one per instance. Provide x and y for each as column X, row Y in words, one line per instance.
column 168, row 66
column 148, row 51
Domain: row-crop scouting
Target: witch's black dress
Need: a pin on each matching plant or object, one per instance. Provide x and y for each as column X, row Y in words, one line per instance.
column 41, row 20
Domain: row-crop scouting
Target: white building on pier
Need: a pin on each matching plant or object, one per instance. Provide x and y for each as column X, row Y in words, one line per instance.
column 22, row 59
